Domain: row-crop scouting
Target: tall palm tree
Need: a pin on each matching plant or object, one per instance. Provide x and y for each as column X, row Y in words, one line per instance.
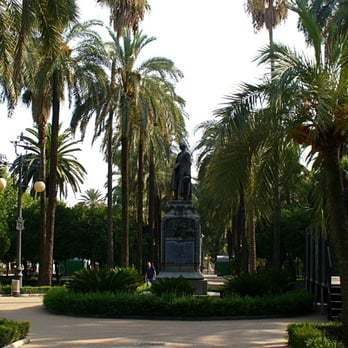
column 134, row 77
column 92, row 198
column 318, row 100
column 269, row 14
column 79, row 65
column 159, row 121
column 125, row 14
column 9, row 16
column 71, row 173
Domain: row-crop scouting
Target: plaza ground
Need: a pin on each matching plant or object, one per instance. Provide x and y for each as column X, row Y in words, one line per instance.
column 49, row 330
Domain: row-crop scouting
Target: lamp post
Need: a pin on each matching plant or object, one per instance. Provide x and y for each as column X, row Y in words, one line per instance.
column 39, row 186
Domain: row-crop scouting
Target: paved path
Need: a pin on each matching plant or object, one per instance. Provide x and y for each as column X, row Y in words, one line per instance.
column 49, row 330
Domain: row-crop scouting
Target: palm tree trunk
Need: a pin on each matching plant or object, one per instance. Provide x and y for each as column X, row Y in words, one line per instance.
column 241, row 230
column 42, row 128
column 151, row 219
column 52, row 183
column 252, row 240
column 338, row 224
column 140, row 198
column 276, row 260
column 110, row 248
column 125, row 182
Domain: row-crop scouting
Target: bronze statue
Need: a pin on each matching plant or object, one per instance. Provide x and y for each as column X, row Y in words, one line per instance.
column 181, row 182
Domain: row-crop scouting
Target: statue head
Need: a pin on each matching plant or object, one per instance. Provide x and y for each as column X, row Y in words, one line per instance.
column 182, row 146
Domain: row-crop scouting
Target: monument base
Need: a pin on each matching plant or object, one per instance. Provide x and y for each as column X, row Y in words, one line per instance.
column 195, row 278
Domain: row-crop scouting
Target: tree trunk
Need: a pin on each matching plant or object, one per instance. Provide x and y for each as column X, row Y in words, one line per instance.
column 110, row 248
column 230, row 244
column 252, row 240
column 241, row 230
column 42, row 128
column 140, row 197
column 276, row 259
column 338, row 224
column 151, row 219
column 125, row 182
column 52, row 184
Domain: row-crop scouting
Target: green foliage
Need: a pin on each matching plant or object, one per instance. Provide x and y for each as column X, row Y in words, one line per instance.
column 6, row 289
column 8, row 202
column 259, row 284
column 175, row 286
column 113, row 305
column 315, row 335
column 11, row 331
column 293, row 223
column 104, row 280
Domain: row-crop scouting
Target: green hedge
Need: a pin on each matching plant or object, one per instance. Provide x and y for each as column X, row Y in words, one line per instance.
column 175, row 286
column 315, row 335
column 114, row 305
column 11, row 331
column 6, row 289
column 267, row 282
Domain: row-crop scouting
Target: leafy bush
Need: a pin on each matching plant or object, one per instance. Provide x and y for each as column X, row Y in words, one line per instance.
column 322, row 342
column 6, row 289
column 315, row 335
column 11, row 331
column 114, row 305
column 259, row 284
column 116, row 280
column 176, row 286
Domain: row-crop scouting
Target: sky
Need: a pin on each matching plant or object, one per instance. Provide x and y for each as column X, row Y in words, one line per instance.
column 212, row 42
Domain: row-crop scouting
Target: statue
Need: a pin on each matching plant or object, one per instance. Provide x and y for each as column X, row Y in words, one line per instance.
column 181, row 181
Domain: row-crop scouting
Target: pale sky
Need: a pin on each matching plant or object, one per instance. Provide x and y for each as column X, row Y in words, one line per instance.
column 214, row 46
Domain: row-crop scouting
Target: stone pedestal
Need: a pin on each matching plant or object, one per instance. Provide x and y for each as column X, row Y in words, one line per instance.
column 181, row 245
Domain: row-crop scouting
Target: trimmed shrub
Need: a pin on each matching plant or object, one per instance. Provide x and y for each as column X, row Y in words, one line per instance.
column 322, row 342
column 116, row 280
column 11, row 331
column 176, row 286
column 315, row 335
column 115, row 305
column 6, row 289
column 259, row 284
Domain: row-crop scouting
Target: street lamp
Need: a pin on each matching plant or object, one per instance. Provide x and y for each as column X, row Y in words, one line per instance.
column 39, row 187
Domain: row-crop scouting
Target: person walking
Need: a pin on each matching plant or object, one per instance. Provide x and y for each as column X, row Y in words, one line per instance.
column 150, row 275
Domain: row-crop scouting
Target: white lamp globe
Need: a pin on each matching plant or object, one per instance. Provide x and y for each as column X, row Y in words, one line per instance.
column 3, row 184
column 39, row 186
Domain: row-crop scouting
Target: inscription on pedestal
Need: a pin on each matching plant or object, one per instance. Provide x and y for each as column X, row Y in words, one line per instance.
column 179, row 252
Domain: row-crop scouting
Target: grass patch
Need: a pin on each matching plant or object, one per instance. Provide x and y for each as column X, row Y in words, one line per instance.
column 315, row 335
column 115, row 305
column 6, row 289
column 12, row 331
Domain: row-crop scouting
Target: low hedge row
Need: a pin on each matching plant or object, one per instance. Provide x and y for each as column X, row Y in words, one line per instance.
column 115, row 305
column 6, row 289
column 315, row 335
column 11, row 331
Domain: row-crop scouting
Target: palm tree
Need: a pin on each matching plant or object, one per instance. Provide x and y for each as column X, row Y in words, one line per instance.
column 79, row 65
column 270, row 13
column 317, row 91
column 9, row 14
column 70, row 172
column 92, row 198
column 135, row 81
column 125, row 14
